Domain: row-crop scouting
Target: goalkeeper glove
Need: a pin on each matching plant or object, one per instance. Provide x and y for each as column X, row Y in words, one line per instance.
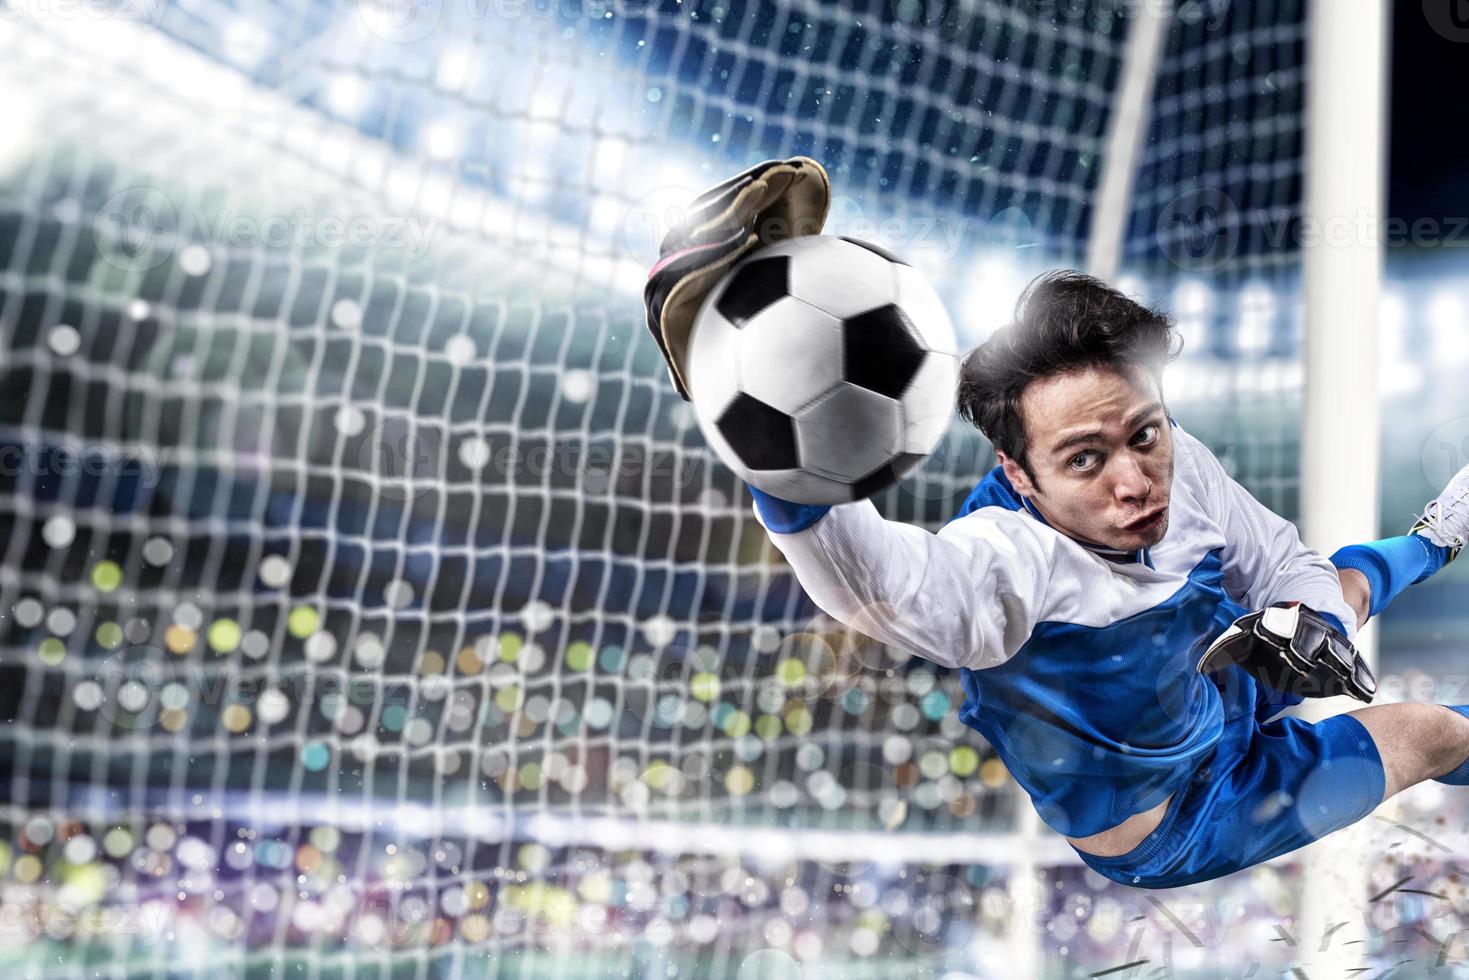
column 1291, row 648
column 770, row 202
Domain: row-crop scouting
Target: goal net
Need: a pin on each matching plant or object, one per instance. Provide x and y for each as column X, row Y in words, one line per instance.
column 371, row 602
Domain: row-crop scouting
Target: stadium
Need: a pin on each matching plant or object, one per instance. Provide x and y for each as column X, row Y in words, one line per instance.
column 372, row 606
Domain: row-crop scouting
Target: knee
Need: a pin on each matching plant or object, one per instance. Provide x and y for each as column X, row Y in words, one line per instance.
column 1357, row 592
column 1448, row 746
column 1415, row 741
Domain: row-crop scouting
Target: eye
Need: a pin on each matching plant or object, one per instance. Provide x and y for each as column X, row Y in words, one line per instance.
column 1146, row 436
column 1081, row 462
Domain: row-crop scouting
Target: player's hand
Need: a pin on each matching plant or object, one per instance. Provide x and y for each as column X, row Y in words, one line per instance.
column 770, row 202
column 1294, row 649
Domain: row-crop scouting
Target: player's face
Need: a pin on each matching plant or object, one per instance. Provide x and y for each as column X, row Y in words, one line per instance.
column 1102, row 454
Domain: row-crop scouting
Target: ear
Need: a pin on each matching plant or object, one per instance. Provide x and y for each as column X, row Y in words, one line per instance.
column 1016, row 474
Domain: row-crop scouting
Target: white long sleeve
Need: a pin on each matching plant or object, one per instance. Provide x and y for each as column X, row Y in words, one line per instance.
column 967, row 596
column 1264, row 559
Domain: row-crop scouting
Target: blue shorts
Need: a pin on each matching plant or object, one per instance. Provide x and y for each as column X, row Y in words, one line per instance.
column 1268, row 788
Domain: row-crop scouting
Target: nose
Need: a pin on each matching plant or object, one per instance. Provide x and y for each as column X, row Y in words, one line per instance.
column 1132, row 483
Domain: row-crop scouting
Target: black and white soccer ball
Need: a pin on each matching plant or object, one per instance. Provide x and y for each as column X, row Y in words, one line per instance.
column 822, row 369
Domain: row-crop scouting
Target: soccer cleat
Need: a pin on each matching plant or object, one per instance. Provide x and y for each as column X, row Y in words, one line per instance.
column 1445, row 520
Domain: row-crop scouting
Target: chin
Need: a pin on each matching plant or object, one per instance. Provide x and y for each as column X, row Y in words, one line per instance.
column 1156, row 535
column 1130, row 541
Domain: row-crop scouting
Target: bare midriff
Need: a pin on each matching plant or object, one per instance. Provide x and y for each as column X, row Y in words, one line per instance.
column 1125, row 836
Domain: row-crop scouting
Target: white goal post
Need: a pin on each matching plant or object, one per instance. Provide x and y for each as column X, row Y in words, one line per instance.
column 1340, row 420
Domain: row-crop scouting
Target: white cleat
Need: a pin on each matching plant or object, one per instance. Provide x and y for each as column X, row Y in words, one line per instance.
column 1445, row 521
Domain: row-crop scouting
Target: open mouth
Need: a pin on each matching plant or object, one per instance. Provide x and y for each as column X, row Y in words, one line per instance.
column 1148, row 521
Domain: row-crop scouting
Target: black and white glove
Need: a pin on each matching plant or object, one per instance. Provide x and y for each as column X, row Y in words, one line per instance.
column 770, row 202
column 1291, row 648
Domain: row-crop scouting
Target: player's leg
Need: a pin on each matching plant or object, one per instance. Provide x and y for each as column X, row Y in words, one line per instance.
column 1385, row 568
column 1277, row 786
column 1357, row 591
column 1299, row 782
column 1417, row 742
column 1269, row 789
column 1377, row 571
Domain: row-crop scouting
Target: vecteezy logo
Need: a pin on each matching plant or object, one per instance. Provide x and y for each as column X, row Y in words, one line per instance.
column 651, row 217
column 400, row 455
column 930, row 20
column 933, row 912
column 1448, row 18
column 131, row 684
column 943, row 474
column 400, row 21
column 1199, row 230
column 136, row 229
column 1446, row 452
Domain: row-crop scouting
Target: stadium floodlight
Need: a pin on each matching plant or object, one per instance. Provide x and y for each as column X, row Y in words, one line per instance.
column 1449, row 326
column 1257, row 312
column 346, row 94
column 456, row 70
column 1400, row 373
column 988, row 302
column 1193, row 303
column 442, row 139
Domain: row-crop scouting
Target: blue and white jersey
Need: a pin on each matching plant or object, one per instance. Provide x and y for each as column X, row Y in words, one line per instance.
column 1078, row 664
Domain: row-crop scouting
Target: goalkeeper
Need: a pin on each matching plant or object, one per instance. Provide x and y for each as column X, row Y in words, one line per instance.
column 1126, row 618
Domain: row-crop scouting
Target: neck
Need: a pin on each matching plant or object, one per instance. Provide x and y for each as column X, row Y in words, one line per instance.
column 1128, row 554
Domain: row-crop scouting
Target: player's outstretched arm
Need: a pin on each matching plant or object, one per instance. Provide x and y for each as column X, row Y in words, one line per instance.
column 1264, row 559
column 967, row 596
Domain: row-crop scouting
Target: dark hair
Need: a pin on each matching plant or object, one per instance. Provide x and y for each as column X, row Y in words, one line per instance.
column 1063, row 320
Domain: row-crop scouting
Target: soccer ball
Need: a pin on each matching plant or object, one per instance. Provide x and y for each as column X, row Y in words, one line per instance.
column 822, row 369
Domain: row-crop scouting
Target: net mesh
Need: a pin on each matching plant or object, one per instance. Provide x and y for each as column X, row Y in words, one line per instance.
column 1216, row 230
column 372, row 602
